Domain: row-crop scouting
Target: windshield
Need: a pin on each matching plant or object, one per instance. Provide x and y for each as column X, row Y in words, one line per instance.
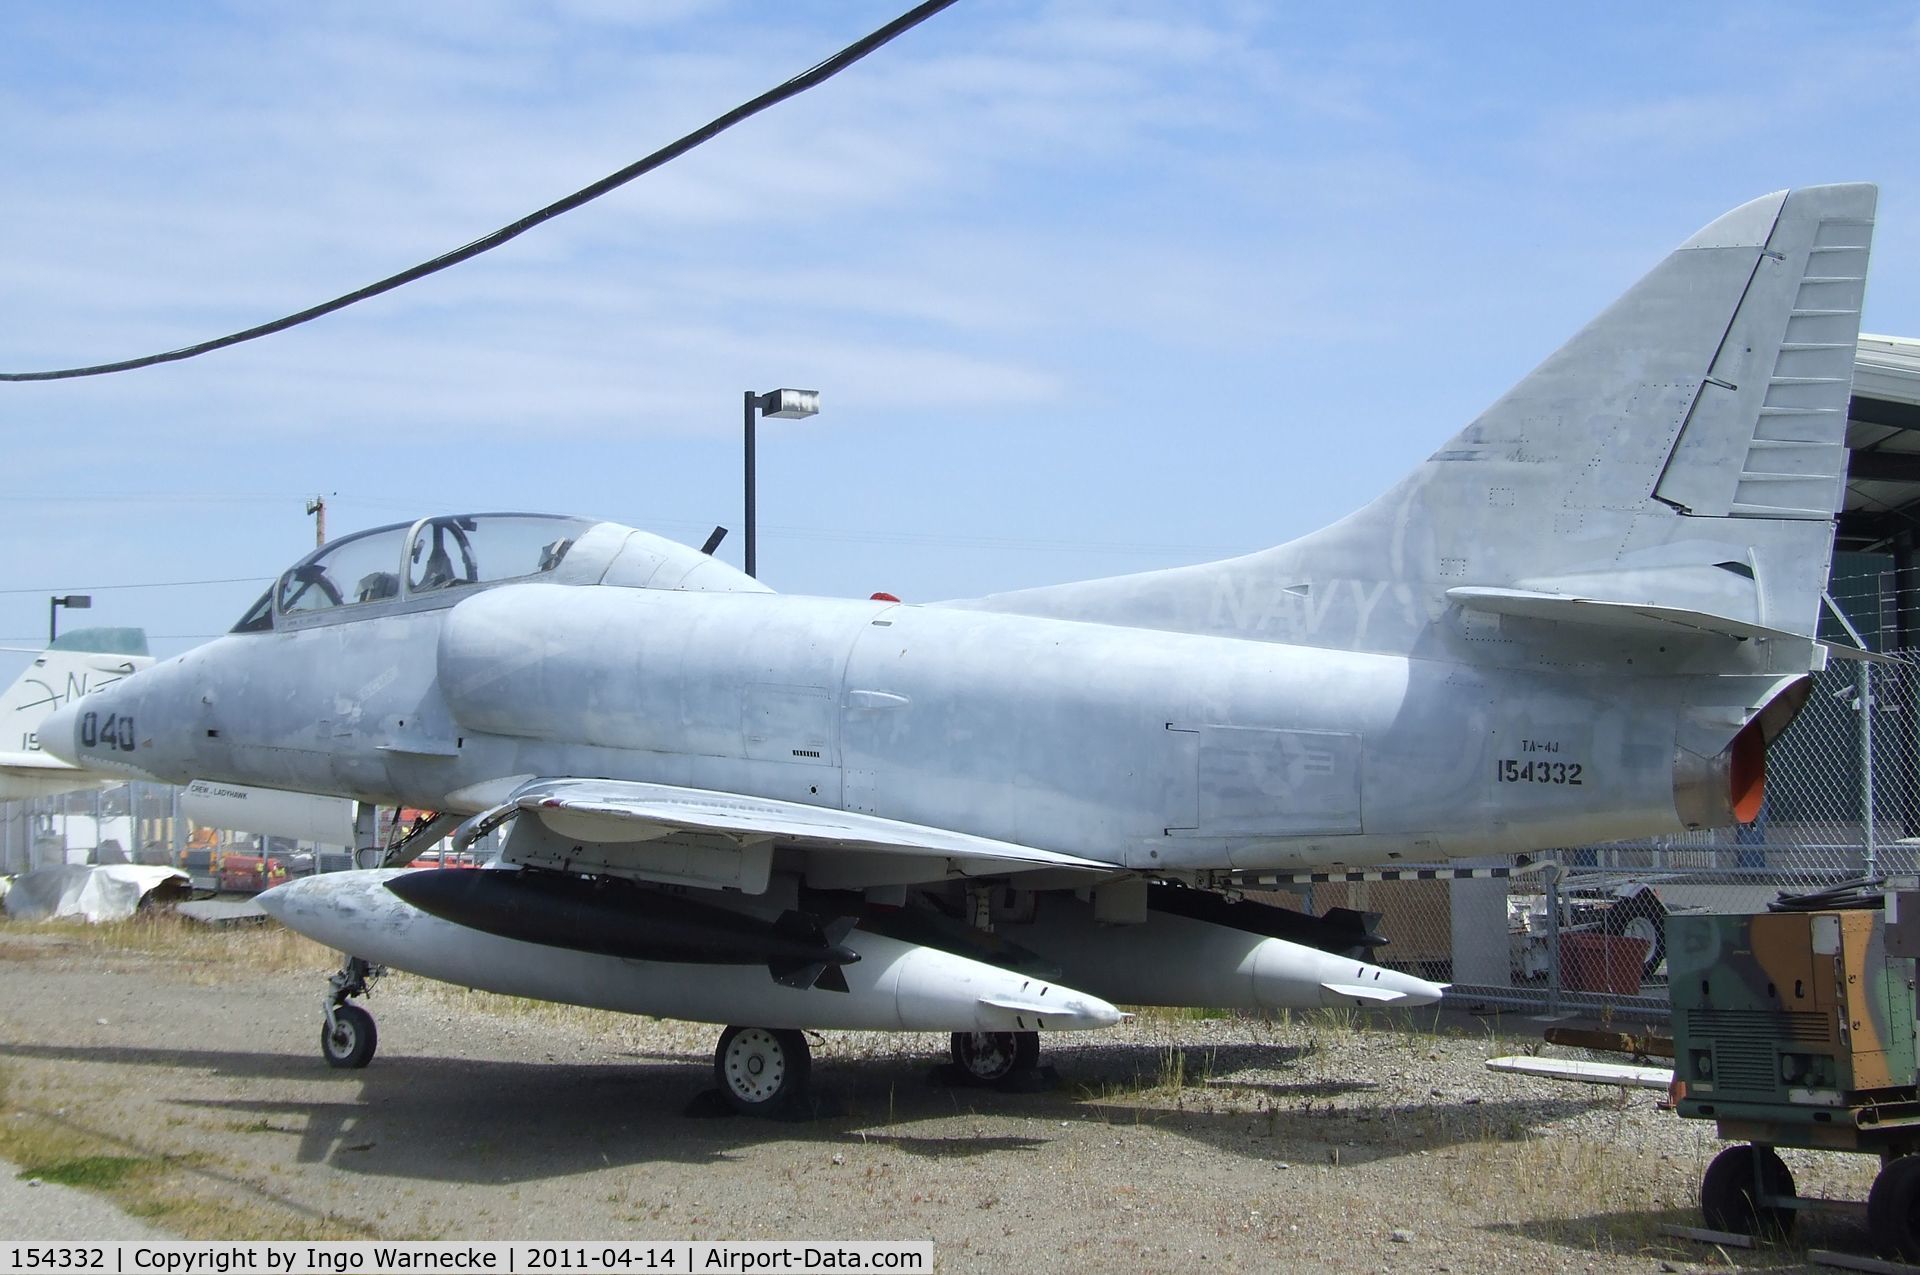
column 259, row 616
column 360, row 568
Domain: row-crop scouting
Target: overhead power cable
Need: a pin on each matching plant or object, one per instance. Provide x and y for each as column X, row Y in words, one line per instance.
column 799, row 84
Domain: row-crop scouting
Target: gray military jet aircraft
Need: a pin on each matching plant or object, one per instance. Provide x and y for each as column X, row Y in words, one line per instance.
column 1582, row 619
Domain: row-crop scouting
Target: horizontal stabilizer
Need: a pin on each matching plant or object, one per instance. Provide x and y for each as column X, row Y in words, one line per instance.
column 1570, row 609
column 1566, row 608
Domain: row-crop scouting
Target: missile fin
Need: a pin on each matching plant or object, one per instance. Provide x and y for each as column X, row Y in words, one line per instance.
column 1383, row 995
column 801, row 975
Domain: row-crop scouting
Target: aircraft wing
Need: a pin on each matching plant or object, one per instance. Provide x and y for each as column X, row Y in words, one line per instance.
column 613, row 815
column 33, row 763
column 26, row 774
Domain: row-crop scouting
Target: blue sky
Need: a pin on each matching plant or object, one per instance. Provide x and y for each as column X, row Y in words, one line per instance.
column 1085, row 288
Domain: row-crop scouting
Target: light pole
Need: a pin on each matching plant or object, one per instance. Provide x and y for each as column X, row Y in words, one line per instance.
column 77, row 601
column 786, row 405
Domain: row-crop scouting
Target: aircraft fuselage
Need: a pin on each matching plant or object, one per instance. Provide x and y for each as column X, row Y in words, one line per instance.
column 1162, row 751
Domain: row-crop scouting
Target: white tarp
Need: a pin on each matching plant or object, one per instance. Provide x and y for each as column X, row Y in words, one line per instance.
column 103, row 893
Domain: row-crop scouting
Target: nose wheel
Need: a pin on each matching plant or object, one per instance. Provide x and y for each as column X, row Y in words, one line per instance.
column 762, row 1071
column 347, row 1034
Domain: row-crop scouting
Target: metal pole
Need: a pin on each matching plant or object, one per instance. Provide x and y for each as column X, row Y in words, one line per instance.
column 1552, row 874
column 53, row 620
column 176, row 832
column 1866, row 768
column 748, row 400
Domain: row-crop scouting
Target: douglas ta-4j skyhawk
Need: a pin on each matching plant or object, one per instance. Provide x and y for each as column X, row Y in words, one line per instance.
column 1582, row 619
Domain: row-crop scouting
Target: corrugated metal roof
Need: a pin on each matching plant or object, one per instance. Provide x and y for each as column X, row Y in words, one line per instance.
column 1883, row 437
column 1887, row 367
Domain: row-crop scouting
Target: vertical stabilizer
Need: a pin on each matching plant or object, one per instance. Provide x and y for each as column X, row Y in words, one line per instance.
column 77, row 664
column 1684, row 452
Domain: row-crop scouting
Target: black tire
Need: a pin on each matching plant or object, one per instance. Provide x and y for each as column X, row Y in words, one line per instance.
column 987, row 1058
column 762, row 1071
column 350, row 1039
column 1893, row 1209
column 1641, row 916
column 1727, row 1192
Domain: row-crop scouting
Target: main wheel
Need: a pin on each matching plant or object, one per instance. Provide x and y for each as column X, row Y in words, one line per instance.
column 1893, row 1209
column 1641, row 916
column 349, row 1039
column 1727, row 1192
column 762, row 1072
column 988, row 1057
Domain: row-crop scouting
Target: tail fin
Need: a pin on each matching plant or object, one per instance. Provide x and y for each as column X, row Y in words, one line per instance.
column 1683, row 454
column 77, row 664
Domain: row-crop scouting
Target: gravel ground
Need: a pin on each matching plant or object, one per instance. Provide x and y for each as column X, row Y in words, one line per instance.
column 1326, row 1143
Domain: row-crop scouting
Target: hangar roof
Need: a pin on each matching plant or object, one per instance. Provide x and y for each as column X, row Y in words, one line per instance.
column 1883, row 442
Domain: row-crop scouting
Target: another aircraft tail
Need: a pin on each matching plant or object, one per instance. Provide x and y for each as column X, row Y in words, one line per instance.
column 79, row 663
column 75, row 664
column 1677, row 464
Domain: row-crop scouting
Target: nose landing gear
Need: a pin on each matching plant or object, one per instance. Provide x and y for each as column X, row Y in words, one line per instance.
column 347, row 1034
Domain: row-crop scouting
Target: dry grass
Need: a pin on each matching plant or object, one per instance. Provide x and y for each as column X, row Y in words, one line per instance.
column 161, row 933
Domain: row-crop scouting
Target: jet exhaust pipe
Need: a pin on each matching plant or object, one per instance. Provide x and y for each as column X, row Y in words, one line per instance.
column 611, row 917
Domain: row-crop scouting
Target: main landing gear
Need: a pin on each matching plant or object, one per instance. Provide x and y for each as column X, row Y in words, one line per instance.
column 994, row 1058
column 763, row 1071
column 347, row 1034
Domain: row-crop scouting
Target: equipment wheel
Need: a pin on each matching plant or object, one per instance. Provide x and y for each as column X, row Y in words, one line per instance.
column 989, row 1057
column 1727, row 1192
column 349, row 1039
column 1641, row 916
column 1893, row 1209
column 762, row 1071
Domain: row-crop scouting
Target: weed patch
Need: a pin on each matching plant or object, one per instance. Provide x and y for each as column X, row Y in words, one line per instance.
column 90, row 1172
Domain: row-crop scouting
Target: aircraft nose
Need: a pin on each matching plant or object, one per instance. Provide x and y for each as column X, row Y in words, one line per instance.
column 58, row 731
column 101, row 730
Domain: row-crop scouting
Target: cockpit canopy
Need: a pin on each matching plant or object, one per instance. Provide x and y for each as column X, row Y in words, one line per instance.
column 415, row 560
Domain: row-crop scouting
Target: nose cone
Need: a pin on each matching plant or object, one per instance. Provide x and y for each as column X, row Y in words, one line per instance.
column 274, row 902
column 114, row 730
column 58, row 731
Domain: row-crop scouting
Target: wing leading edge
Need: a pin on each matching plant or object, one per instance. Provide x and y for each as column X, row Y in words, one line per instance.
column 661, row 831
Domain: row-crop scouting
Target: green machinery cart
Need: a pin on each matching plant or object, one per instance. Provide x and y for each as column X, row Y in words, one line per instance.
column 1796, row 1029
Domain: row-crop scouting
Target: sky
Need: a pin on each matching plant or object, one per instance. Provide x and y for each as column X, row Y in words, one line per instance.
column 1085, row 288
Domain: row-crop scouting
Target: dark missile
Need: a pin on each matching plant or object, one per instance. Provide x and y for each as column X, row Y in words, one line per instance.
column 613, row 917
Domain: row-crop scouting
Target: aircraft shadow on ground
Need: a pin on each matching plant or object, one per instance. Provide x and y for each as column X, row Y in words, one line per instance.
column 461, row 1120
